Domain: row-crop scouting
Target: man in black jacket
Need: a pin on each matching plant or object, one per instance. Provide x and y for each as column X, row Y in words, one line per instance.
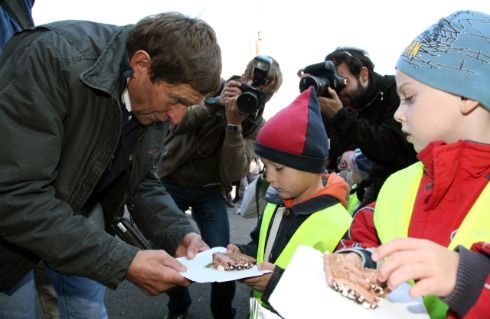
column 83, row 109
column 361, row 116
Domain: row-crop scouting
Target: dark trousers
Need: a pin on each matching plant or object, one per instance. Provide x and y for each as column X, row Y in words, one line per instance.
column 209, row 212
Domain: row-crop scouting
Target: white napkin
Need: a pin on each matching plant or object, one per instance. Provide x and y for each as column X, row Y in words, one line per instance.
column 198, row 271
column 302, row 292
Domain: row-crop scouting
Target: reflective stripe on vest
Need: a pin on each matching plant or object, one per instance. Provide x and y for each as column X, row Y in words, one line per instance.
column 322, row 230
column 393, row 212
column 353, row 203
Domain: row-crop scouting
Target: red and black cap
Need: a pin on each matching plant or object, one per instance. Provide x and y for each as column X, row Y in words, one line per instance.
column 296, row 136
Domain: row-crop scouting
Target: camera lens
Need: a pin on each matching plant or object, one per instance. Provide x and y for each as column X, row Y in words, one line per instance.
column 318, row 84
column 247, row 103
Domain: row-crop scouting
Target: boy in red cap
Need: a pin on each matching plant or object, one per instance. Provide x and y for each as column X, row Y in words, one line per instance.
column 310, row 208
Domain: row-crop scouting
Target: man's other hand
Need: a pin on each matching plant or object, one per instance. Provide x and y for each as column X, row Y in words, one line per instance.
column 190, row 245
column 155, row 271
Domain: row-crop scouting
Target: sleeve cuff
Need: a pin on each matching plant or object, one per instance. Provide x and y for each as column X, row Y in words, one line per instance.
column 365, row 254
column 232, row 128
column 275, row 277
column 472, row 272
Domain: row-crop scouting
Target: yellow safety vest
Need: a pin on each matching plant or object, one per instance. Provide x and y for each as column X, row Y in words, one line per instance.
column 322, row 230
column 393, row 213
column 353, row 203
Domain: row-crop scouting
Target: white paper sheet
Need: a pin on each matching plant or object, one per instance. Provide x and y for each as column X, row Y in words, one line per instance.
column 198, row 271
column 302, row 293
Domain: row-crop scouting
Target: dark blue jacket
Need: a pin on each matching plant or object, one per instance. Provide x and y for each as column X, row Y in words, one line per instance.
column 15, row 15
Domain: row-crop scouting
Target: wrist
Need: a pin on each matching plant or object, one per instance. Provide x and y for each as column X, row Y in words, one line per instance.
column 233, row 128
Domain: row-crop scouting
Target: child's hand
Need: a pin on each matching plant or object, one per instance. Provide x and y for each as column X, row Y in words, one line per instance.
column 353, row 259
column 266, row 266
column 432, row 266
column 260, row 282
column 230, row 248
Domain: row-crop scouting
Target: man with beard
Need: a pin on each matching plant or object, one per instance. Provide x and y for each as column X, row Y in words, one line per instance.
column 361, row 116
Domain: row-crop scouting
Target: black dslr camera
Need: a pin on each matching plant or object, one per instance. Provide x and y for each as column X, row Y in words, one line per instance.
column 321, row 76
column 252, row 99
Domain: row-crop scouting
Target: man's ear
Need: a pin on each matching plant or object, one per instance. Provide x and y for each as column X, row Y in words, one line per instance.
column 140, row 61
column 364, row 76
column 467, row 106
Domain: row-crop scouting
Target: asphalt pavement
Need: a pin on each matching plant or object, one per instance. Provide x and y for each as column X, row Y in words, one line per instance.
column 129, row 302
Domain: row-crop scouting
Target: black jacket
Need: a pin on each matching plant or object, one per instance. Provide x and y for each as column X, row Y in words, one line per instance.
column 60, row 122
column 372, row 129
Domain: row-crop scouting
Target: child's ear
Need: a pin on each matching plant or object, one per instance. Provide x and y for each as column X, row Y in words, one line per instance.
column 467, row 106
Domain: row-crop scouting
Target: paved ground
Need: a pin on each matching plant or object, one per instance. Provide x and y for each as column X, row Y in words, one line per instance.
column 128, row 302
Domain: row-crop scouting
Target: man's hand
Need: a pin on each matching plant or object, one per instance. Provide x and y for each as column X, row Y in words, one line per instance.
column 233, row 116
column 330, row 105
column 228, row 98
column 230, row 91
column 155, row 271
column 259, row 283
column 432, row 266
column 190, row 245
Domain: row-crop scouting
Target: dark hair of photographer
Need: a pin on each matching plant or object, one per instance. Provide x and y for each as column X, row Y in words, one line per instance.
column 353, row 58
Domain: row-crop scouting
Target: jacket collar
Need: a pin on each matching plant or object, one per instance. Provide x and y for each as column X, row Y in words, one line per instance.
column 447, row 164
column 374, row 92
column 106, row 74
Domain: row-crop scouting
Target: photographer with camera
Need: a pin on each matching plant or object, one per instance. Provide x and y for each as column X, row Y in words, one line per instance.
column 205, row 153
column 358, row 105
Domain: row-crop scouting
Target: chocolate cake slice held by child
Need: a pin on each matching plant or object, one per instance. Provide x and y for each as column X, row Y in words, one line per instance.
column 353, row 282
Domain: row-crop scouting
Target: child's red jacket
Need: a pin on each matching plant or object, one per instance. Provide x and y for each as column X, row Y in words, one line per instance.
column 454, row 176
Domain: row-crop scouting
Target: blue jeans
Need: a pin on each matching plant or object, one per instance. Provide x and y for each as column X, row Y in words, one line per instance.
column 78, row 298
column 209, row 212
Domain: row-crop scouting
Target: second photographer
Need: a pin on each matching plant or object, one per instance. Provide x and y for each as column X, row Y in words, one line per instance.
column 209, row 153
column 358, row 106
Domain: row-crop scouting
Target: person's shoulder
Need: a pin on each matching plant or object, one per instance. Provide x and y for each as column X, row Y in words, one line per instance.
column 386, row 88
column 386, row 80
column 83, row 25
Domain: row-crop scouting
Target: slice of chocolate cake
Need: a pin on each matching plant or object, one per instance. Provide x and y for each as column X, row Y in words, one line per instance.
column 357, row 284
column 232, row 261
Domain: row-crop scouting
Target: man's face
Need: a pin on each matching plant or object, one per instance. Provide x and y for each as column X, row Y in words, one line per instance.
column 160, row 101
column 353, row 93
